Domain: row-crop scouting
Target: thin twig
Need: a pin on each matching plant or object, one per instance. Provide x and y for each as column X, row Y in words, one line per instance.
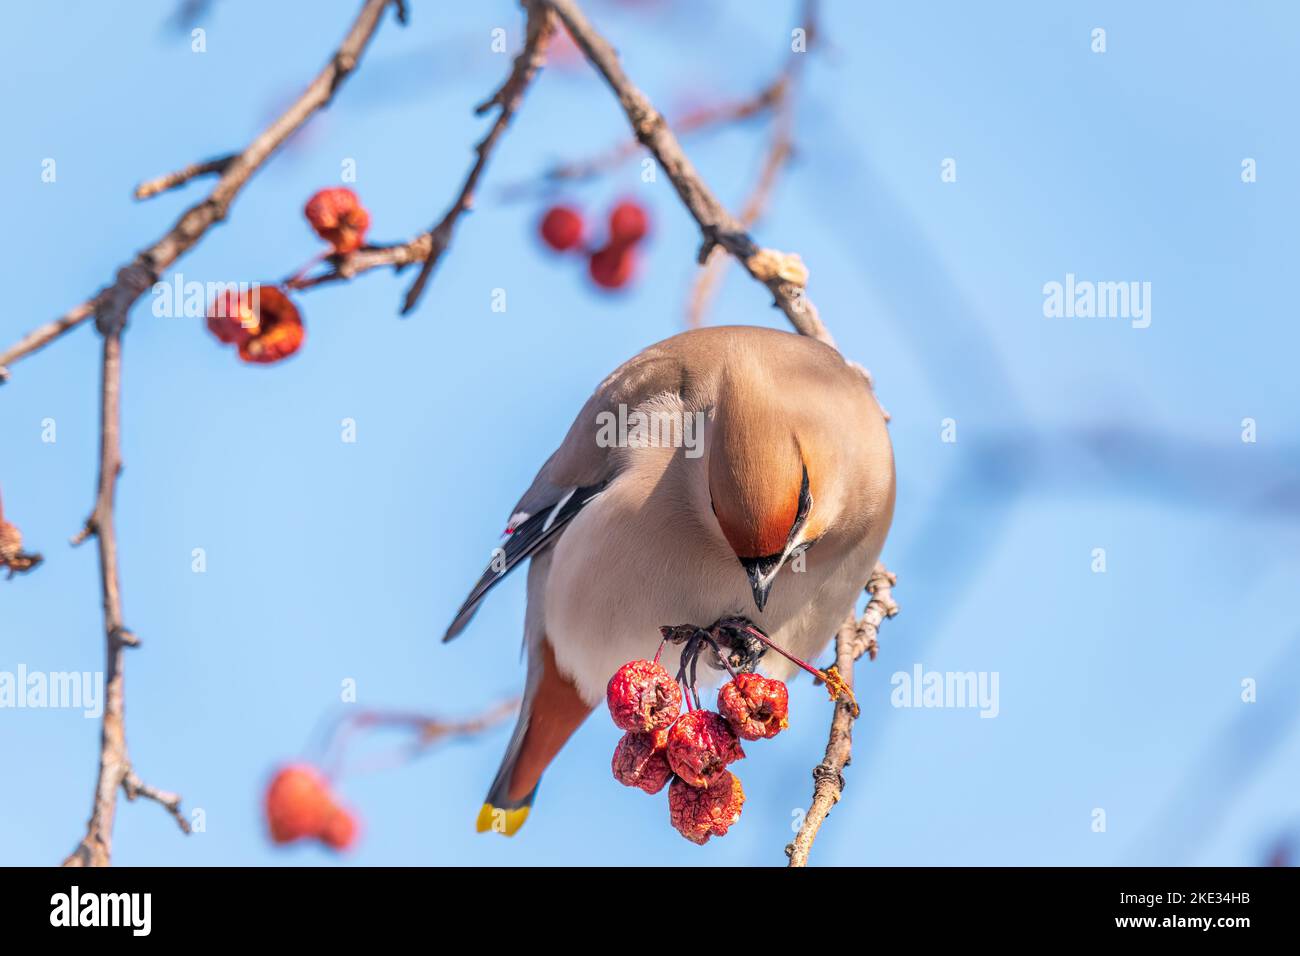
column 710, row 273
column 111, row 308
column 782, row 273
column 171, row 802
column 111, row 304
column 428, row 247
column 211, row 167
column 537, row 34
column 47, row 333
column 778, row 154
column 857, row 636
column 428, row 732
column 711, row 117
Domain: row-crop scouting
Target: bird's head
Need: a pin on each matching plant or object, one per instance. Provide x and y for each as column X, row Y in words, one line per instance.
column 766, row 482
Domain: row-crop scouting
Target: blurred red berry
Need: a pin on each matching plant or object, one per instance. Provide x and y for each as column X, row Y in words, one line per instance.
column 339, row 218
column 340, row 830
column 231, row 316
column 298, row 804
column 700, row 745
column 628, row 223
column 11, row 542
column 262, row 321
column 702, row 812
column 612, row 266
column 756, row 707
column 640, row 761
column 562, row 228
column 642, row 697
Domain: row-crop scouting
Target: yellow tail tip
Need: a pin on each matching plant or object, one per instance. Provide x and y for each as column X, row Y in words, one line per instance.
column 498, row 820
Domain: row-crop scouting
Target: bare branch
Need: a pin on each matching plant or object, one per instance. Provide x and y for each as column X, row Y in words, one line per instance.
column 427, row 732
column 857, row 636
column 711, row 272
column 111, row 304
column 537, row 34
column 212, row 167
column 783, row 274
column 705, row 118
column 134, row 787
column 111, row 307
column 779, row 151
column 47, row 333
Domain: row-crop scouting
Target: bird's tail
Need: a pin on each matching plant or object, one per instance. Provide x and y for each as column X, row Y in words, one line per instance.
column 500, row 814
column 551, row 711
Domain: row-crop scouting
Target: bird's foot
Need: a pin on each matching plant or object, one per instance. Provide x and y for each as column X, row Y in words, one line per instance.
column 739, row 644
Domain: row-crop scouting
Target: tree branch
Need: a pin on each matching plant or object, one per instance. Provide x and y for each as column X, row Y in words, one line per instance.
column 778, row 154
column 770, row 97
column 857, row 636
column 427, row 732
column 537, row 33
column 429, row 246
column 152, row 187
column 783, row 274
column 111, row 306
column 47, row 333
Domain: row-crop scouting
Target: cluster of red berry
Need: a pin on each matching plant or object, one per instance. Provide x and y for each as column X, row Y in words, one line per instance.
column 299, row 806
column 692, row 750
column 611, row 266
column 262, row 322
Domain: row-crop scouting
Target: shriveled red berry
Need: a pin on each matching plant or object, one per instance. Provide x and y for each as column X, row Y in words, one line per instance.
column 262, row 321
column 562, row 228
column 640, row 761
column 756, row 707
column 628, row 223
column 700, row 745
column 612, row 266
column 339, row 218
column 11, row 542
column 702, row 812
column 231, row 316
column 340, row 830
column 642, row 697
column 298, row 804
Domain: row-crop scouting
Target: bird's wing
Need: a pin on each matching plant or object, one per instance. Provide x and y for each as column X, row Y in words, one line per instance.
column 580, row 469
column 526, row 536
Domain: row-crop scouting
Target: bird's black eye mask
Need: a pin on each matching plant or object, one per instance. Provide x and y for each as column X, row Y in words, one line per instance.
column 767, row 563
column 805, row 506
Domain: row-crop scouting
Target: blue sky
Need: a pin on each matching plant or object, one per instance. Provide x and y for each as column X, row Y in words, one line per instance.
column 330, row 561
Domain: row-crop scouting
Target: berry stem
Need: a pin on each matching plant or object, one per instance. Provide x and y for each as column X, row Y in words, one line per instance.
column 815, row 671
column 658, row 653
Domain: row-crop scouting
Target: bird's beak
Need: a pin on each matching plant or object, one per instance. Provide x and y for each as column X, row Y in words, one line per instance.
column 762, row 572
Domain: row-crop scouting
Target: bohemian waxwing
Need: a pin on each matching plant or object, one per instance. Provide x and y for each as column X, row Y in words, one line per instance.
column 630, row 528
